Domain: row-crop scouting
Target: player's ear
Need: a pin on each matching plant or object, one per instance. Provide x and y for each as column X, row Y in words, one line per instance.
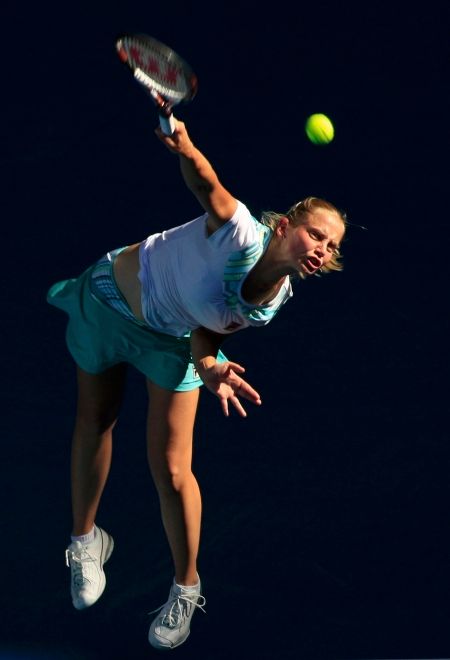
column 282, row 226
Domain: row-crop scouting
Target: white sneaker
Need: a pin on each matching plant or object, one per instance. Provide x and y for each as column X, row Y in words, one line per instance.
column 86, row 567
column 171, row 626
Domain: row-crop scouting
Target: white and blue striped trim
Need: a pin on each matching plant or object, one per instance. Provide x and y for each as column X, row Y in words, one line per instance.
column 237, row 268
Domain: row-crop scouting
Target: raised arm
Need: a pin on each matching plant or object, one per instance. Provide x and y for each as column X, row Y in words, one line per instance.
column 200, row 177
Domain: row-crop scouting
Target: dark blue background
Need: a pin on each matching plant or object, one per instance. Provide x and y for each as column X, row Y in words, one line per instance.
column 326, row 511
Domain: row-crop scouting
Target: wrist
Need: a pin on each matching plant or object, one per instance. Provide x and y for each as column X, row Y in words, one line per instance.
column 206, row 363
column 188, row 152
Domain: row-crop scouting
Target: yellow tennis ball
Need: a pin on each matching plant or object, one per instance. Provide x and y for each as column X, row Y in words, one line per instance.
column 319, row 129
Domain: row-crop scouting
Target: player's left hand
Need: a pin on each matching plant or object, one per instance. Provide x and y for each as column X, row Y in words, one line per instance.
column 223, row 380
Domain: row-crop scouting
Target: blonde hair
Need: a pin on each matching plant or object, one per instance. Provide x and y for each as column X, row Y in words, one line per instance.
column 298, row 214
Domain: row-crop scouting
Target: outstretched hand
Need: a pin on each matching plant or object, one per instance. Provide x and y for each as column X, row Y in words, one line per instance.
column 223, row 380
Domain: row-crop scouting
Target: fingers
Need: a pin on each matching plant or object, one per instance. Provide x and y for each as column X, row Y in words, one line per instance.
column 229, row 386
column 170, row 141
column 178, row 133
column 236, row 367
column 239, row 384
column 167, row 141
column 247, row 392
column 224, row 404
column 236, row 403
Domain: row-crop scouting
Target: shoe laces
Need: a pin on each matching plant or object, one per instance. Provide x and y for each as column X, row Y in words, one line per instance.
column 175, row 611
column 77, row 560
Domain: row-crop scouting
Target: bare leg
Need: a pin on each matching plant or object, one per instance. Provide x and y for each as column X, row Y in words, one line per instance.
column 170, row 433
column 99, row 400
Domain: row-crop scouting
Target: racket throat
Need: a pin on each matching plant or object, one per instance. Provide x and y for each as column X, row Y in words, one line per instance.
column 165, row 109
column 164, row 106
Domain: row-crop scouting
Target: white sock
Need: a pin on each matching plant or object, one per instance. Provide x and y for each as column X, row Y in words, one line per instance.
column 85, row 539
column 190, row 587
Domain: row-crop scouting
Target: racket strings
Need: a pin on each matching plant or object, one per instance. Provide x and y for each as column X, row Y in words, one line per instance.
column 167, row 92
column 155, row 70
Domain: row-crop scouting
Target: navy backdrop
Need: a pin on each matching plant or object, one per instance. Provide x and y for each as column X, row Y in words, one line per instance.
column 326, row 511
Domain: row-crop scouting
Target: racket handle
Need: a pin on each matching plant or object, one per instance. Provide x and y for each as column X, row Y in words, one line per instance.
column 167, row 123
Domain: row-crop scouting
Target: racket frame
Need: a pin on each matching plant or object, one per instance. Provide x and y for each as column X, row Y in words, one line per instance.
column 164, row 102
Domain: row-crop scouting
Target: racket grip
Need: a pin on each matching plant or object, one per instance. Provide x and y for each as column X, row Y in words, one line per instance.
column 167, row 123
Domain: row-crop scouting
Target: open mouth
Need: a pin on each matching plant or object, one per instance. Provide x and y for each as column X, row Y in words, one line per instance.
column 311, row 264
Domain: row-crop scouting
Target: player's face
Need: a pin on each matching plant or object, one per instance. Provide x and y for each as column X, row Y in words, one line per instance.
column 314, row 243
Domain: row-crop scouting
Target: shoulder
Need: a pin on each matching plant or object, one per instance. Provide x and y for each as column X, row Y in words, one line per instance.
column 241, row 228
column 237, row 211
column 240, row 218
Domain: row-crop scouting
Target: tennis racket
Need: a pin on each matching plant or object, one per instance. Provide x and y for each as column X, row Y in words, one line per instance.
column 165, row 75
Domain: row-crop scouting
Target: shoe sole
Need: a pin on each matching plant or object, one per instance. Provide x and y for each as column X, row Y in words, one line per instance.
column 168, row 648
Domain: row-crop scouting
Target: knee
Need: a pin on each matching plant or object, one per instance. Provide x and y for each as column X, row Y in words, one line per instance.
column 171, row 473
column 96, row 424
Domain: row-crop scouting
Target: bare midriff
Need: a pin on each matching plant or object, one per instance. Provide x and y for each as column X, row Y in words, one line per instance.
column 126, row 269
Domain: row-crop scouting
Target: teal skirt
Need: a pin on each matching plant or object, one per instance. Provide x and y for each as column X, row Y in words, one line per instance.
column 99, row 337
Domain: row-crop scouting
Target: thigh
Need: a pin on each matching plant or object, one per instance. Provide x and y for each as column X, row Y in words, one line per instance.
column 171, row 418
column 100, row 396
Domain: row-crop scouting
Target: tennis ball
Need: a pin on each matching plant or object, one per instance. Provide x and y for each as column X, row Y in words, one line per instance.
column 319, row 129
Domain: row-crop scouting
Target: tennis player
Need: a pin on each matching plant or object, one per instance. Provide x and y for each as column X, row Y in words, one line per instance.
column 165, row 306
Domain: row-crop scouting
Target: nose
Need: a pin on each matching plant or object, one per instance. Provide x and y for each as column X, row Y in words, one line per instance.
column 320, row 250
